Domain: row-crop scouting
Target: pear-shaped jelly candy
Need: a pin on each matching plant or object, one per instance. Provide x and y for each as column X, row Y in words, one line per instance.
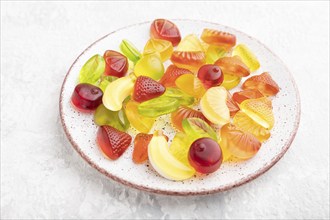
column 163, row 47
column 117, row 91
column 183, row 98
column 139, row 122
column 130, row 51
column 150, row 65
column 116, row 119
column 161, row 105
column 92, row 70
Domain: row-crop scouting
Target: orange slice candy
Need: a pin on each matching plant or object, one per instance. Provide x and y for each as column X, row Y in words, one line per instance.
column 231, row 104
column 171, row 74
column 190, row 60
column 191, row 85
column 218, row 38
column 264, row 83
column 246, row 94
column 233, row 66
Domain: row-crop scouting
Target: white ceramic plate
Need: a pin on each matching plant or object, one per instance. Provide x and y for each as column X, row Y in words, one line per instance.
column 81, row 131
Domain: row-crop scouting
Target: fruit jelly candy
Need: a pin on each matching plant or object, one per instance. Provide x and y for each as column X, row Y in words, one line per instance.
column 197, row 127
column 183, row 98
column 190, row 43
column 171, row 74
column 163, row 47
column 233, row 66
column 213, row 53
column 247, row 57
column 185, row 112
column 86, row 97
column 218, row 38
column 180, row 146
column 105, row 81
column 130, row 51
column 150, row 65
column 92, row 70
column 104, row 116
column 191, row 85
column 191, row 60
column 146, row 88
column 116, row 63
column 161, row 105
column 240, row 96
column 165, row 30
column 140, row 151
column 263, row 83
column 230, row 81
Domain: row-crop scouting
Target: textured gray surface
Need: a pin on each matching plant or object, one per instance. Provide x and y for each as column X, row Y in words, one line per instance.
column 43, row 177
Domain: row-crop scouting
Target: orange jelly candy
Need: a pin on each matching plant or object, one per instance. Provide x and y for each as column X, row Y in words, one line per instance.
column 264, row 83
column 171, row 74
column 232, row 105
column 191, row 60
column 185, row 112
column 140, row 151
column 240, row 144
column 165, row 30
column 233, row 66
column 246, row 94
column 218, row 38
column 191, row 85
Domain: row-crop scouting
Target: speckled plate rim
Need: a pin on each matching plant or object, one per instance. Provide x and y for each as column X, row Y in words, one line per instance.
column 178, row 193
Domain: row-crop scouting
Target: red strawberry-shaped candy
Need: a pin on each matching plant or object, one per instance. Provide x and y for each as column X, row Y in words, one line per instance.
column 146, row 88
column 112, row 142
column 264, row 83
column 171, row 74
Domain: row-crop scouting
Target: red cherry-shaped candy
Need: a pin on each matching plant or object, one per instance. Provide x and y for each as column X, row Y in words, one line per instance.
column 116, row 64
column 210, row 75
column 86, row 97
column 205, row 155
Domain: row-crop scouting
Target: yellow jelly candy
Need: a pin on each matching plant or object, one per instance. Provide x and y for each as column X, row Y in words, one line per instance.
column 191, row 85
column 190, row 43
column 248, row 58
column 213, row 53
column 150, row 65
column 230, row 81
column 163, row 47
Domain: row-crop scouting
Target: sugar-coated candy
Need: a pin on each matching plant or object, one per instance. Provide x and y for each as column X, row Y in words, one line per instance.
column 246, row 94
column 163, row 47
column 146, row 88
column 213, row 53
column 92, row 70
column 161, row 105
column 112, row 142
column 205, row 155
column 150, row 65
column 210, row 75
column 117, row 91
column 233, row 66
column 116, row 63
column 105, row 81
column 184, row 112
column 230, row 81
column 260, row 110
column 264, row 83
column 140, row 151
column 214, row 105
column 104, row 116
column 240, row 144
column 190, row 60
column 197, row 127
column 139, row 122
column 165, row 30
column 191, row 85
column 86, row 97
column 247, row 57
column 130, row 51
column 179, row 147
column 190, row 43
column 164, row 162
column 218, row 38
column 183, row 98
column 171, row 74
column 247, row 124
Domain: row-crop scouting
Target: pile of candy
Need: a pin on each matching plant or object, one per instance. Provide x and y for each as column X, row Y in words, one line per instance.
column 132, row 89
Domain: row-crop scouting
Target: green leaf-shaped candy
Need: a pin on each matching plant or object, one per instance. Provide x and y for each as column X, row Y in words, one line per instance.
column 118, row 119
column 161, row 105
column 130, row 51
column 197, row 128
column 92, row 70
column 182, row 97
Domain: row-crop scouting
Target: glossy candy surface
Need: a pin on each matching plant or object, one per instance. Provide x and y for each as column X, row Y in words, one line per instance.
column 184, row 112
column 246, row 94
column 86, row 97
column 92, row 70
column 180, row 146
column 196, row 128
column 205, row 155
column 183, row 98
column 214, row 107
column 247, row 57
column 233, row 66
column 245, row 123
column 210, row 75
column 164, row 162
column 130, row 51
column 263, row 83
column 191, row 85
column 139, row 122
column 213, row 53
column 190, row 60
column 163, row 47
column 241, row 144
column 190, row 43
column 116, row 63
column 171, row 74
column 230, row 81
column 112, row 142
column 218, row 38
column 105, row 81
column 150, row 65
column 161, row 105
column 117, row 91
column 104, row 116
column 146, row 88
column 259, row 110
column 165, row 30
column 140, row 151
column 232, row 105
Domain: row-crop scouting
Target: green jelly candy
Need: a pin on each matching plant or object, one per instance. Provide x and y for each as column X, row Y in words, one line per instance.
column 118, row 119
column 180, row 147
column 197, row 128
column 161, row 105
column 130, row 51
column 183, row 98
column 213, row 53
column 92, row 70
column 105, row 82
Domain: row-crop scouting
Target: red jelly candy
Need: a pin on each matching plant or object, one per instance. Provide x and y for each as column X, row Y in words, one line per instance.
column 171, row 74
column 116, row 64
column 146, row 88
column 210, row 75
column 86, row 97
column 165, row 30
